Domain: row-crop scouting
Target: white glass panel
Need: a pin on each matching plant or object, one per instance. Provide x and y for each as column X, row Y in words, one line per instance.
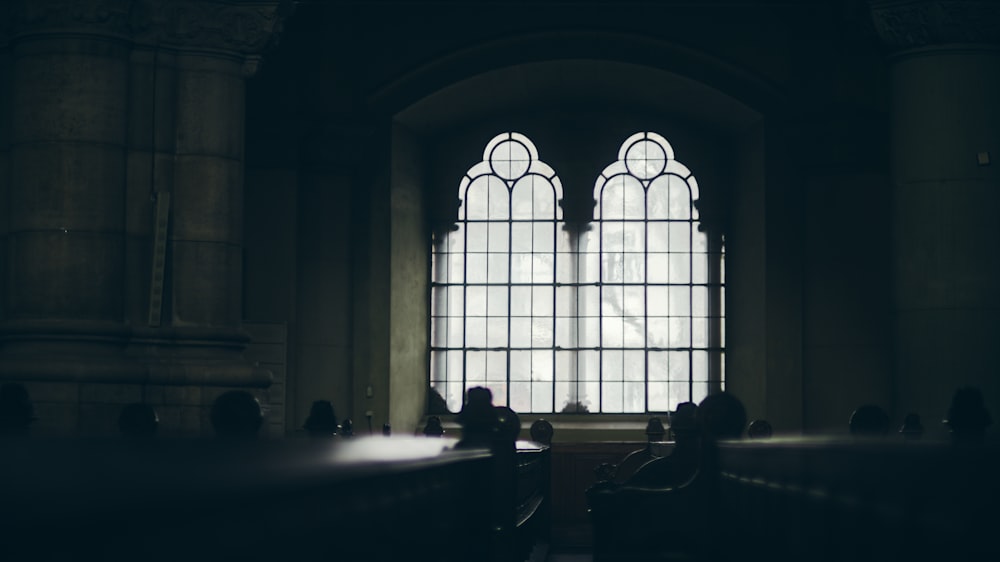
column 541, row 332
column 499, row 199
column 657, row 331
column 475, row 304
column 475, row 367
column 566, row 365
column 612, row 198
column 699, row 240
column 635, row 397
column 699, row 301
column 658, row 366
column 677, row 392
column 456, row 268
column 611, row 331
column 476, row 203
column 455, row 393
column 541, row 301
column 566, row 265
column 565, row 302
column 456, row 332
column 476, row 268
column 589, row 300
column 635, row 332
column 496, row 366
column 612, row 236
column 612, row 365
column 680, row 332
column 476, row 233
column 498, row 237
column 520, row 365
column 612, row 300
column 635, row 199
column 680, row 303
column 455, row 303
column 612, row 267
column 635, row 300
column 659, row 400
column 544, row 237
column 522, row 198
column 678, row 365
column 699, row 332
column 520, row 268
column 656, row 301
column 589, row 367
column 496, row 332
column 634, row 234
column 542, row 269
column 657, row 201
column 611, row 398
column 541, row 365
column 475, row 332
column 634, row 367
column 680, row 236
column 564, row 244
column 699, row 392
column 510, row 160
column 657, row 268
column 590, row 268
column 657, row 236
column 520, row 332
column 498, row 268
column 634, row 268
column 520, row 301
column 699, row 268
column 680, row 199
column 456, row 239
column 439, row 332
column 680, row 268
column 520, row 237
column 496, row 303
column 590, row 332
column 565, row 335
column 699, row 366
column 541, row 397
column 520, row 397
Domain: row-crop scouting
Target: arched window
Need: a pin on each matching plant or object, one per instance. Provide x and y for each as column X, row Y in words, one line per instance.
column 493, row 281
column 624, row 315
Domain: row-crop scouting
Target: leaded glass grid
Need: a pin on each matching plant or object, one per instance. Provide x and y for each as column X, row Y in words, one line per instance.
column 625, row 315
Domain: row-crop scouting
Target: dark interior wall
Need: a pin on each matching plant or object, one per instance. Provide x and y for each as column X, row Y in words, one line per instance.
column 5, row 125
column 806, row 298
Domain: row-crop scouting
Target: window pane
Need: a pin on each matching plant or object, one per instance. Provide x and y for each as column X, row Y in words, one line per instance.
column 699, row 268
column 520, row 332
column 475, row 301
column 634, row 368
column 496, row 304
column 612, row 267
column 611, row 331
column 699, row 332
column 656, row 300
column 657, row 332
column 565, row 302
column 520, row 237
column 635, row 332
column 475, row 331
column 520, row 268
column 456, row 268
column 476, row 199
column 498, row 268
column 634, row 399
column 590, row 332
column 541, row 301
column 541, row 365
column 657, row 268
column 544, row 238
column 612, row 198
column 680, row 199
column 475, row 367
column 612, row 236
column 634, row 301
column 612, row 300
column 566, row 268
column 658, row 236
column 680, row 332
column 496, row 367
column 456, row 332
column 475, row 236
column 680, row 236
column 680, row 268
column 589, row 366
column 658, row 366
column 699, row 301
column 496, row 332
column 475, row 268
column 522, row 198
column 657, row 200
column 680, row 303
column 699, row 240
column 565, row 335
column 659, row 400
column 541, row 332
column 611, row 397
column 634, row 268
column 541, row 397
column 699, row 366
column 678, row 365
column 590, row 268
column 520, row 301
column 499, row 199
column 543, row 269
column 520, row 365
column 520, row 397
column 498, row 237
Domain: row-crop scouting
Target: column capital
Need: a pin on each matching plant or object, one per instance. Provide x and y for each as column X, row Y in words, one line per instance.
column 910, row 24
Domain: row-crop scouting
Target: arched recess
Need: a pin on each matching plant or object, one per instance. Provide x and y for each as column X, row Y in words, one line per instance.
column 577, row 101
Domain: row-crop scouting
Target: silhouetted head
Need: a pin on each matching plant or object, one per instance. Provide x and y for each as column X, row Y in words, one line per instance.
column 759, row 429
column 968, row 417
column 322, row 421
column 433, row 427
column 508, row 423
column 684, row 421
column 722, row 416
column 870, row 421
column 138, row 421
column 236, row 414
column 16, row 410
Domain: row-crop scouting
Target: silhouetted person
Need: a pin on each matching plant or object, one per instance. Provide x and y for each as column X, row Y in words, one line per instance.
column 236, row 414
column 478, row 418
column 759, row 429
column 721, row 416
column 968, row 417
column 433, row 427
column 436, row 403
column 138, row 421
column 869, row 420
column 322, row 421
column 16, row 409
column 911, row 429
column 677, row 467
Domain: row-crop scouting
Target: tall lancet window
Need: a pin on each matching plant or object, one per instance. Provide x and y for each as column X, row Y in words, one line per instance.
column 493, row 281
column 651, row 287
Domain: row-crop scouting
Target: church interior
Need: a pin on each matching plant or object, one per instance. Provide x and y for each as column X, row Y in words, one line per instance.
column 201, row 196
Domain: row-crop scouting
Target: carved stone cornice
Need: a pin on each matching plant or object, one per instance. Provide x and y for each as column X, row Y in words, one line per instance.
column 237, row 27
column 910, row 24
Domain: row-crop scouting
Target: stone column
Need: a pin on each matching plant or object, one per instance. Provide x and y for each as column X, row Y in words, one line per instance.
column 945, row 135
